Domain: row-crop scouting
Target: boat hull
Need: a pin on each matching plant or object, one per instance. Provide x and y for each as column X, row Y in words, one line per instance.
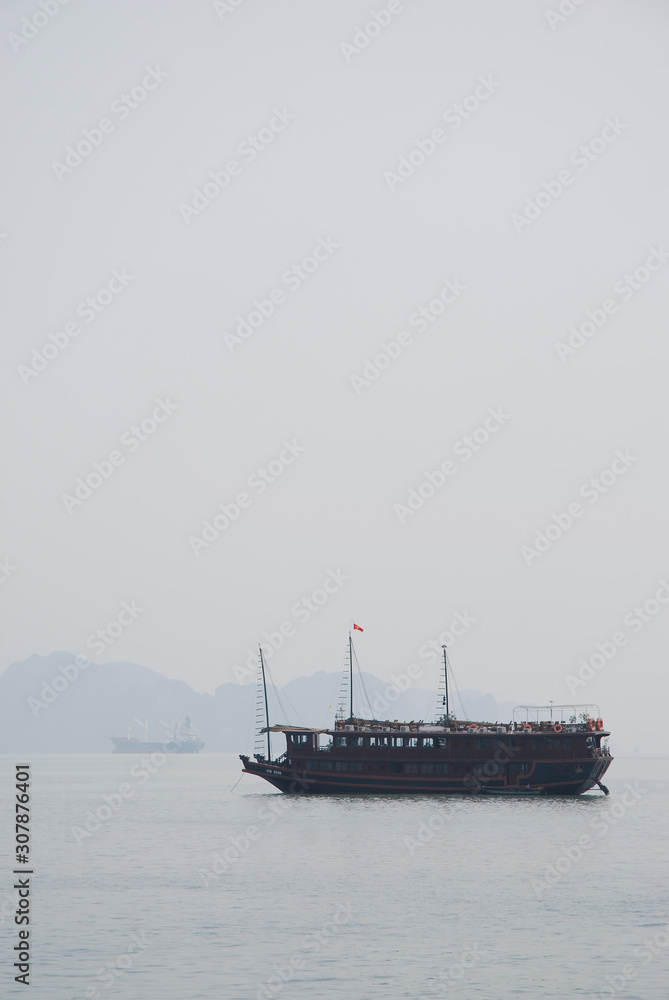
column 539, row 782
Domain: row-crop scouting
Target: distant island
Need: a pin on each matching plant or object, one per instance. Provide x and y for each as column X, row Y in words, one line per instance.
column 48, row 705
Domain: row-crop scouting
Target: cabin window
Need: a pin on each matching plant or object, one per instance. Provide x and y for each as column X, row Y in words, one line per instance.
column 537, row 742
column 427, row 768
column 340, row 741
column 525, row 768
column 341, row 765
column 374, row 741
column 442, row 741
column 482, row 742
column 441, row 768
column 355, row 765
column 398, row 741
column 412, row 741
column 411, row 768
column 326, row 765
column 311, row 763
column 396, row 768
column 428, row 741
column 512, row 743
column 355, row 741
column 301, row 738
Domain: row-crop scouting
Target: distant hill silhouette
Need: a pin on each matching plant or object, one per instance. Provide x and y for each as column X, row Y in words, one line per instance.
column 46, row 709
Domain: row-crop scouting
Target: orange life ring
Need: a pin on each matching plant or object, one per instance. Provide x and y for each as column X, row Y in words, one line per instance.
column 591, row 725
column 600, row 724
column 473, row 726
column 557, row 728
column 527, row 729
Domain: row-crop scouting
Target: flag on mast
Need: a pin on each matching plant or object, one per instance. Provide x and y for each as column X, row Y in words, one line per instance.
column 358, row 627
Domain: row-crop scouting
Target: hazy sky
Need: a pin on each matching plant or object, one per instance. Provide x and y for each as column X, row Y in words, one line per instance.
column 339, row 212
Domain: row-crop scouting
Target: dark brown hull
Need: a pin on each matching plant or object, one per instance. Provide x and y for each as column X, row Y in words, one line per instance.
column 543, row 778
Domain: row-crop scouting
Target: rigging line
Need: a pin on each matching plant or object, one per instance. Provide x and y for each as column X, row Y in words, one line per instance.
column 274, row 688
column 350, row 673
column 279, row 694
column 264, row 689
column 252, row 739
column 343, row 689
column 465, row 707
column 333, row 699
column 434, row 696
column 465, row 713
column 251, row 734
column 362, row 684
column 296, row 714
column 334, row 687
column 280, row 709
column 237, row 781
column 367, row 711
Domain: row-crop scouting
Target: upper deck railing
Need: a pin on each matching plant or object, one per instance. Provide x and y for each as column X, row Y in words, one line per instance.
column 565, row 714
column 570, row 718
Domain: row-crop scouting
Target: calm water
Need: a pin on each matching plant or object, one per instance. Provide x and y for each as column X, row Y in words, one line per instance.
column 475, row 898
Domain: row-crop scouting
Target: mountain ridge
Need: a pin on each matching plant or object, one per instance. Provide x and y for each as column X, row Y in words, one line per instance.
column 49, row 704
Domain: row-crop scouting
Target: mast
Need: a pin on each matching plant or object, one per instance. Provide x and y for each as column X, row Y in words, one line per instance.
column 446, row 679
column 264, row 687
column 350, row 670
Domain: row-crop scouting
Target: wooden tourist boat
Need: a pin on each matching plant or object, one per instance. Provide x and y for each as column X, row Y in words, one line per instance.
column 562, row 754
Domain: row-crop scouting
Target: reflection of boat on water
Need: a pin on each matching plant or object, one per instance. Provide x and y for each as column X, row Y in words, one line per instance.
column 545, row 750
column 179, row 738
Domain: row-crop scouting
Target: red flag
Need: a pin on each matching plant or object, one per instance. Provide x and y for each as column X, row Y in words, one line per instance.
column 358, row 628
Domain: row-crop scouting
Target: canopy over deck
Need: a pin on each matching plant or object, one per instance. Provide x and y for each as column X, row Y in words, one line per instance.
column 292, row 729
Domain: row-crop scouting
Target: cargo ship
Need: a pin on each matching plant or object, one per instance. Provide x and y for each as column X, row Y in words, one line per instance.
column 180, row 738
column 544, row 750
